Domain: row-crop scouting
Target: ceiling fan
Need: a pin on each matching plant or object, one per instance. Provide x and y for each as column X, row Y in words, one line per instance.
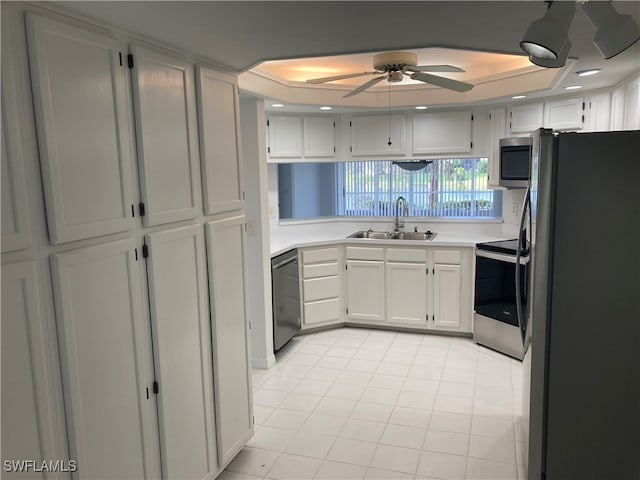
column 393, row 66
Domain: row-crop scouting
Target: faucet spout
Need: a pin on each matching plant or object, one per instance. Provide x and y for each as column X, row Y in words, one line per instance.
column 398, row 224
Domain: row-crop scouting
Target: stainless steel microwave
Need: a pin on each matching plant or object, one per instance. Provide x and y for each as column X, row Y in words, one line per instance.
column 515, row 162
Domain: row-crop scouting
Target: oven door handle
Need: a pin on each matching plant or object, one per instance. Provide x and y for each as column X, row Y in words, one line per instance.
column 502, row 257
column 526, row 205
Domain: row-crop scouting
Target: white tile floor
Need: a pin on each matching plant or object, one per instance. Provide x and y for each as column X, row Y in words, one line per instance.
column 368, row 404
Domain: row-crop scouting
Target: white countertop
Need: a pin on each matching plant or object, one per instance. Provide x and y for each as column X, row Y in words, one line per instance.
column 283, row 240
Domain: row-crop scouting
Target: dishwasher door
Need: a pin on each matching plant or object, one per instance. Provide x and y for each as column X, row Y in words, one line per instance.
column 286, row 298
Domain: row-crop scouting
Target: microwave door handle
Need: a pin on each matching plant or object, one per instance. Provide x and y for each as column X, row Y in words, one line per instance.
column 517, row 270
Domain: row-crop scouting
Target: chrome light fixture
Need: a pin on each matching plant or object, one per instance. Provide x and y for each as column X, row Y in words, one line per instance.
column 546, row 37
column 614, row 32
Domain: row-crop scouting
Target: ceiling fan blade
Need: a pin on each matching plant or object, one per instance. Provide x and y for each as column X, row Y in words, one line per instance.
column 364, row 86
column 339, row 77
column 442, row 82
column 435, row 68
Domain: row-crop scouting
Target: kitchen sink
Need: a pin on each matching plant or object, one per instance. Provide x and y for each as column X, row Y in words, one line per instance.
column 372, row 234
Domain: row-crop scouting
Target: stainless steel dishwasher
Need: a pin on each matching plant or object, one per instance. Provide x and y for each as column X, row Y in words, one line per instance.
column 286, row 298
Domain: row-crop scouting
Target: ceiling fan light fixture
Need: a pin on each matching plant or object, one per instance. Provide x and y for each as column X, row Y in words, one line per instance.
column 546, row 36
column 614, row 32
column 553, row 62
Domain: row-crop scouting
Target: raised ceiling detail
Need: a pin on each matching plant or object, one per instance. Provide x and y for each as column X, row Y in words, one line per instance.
column 495, row 75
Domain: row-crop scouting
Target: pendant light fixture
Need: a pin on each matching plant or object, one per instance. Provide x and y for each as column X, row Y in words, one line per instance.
column 546, row 37
column 547, row 43
column 614, row 32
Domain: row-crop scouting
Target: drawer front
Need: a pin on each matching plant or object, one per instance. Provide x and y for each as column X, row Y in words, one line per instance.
column 322, row 311
column 447, row 256
column 320, row 270
column 321, row 288
column 365, row 253
column 320, row 255
column 414, row 255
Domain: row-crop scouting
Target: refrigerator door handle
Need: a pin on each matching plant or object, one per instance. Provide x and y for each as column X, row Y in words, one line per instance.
column 520, row 314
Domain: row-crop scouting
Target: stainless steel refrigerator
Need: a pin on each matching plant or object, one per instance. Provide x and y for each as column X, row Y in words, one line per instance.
column 581, row 411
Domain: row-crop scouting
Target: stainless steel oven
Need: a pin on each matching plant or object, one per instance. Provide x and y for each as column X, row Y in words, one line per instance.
column 501, row 283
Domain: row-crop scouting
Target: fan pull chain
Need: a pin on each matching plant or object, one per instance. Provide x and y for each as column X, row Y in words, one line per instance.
column 389, row 114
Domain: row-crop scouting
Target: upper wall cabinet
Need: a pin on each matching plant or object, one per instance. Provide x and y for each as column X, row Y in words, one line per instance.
column 319, row 137
column 83, row 129
column 378, row 135
column 566, row 114
column 285, row 137
column 218, row 113
column 301, row 137
column 597, row 113
column 166, row 128
column 15, row 227
column 525, row 118
column 497, row 130
column 445, row 132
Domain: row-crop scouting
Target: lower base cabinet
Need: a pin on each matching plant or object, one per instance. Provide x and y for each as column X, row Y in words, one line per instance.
column 406, row 294
column 365, row 291
column 321, row 286
column 447, row 297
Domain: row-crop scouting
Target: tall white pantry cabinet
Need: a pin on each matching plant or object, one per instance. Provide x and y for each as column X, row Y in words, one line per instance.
column 124, row 334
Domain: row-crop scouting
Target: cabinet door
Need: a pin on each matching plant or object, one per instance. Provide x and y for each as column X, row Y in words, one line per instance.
column 632, row 110
column 598, row 113
column 106, row 362
column 285, row 137
column 83, row 130
column 232, row 375
column 497, row 130
column 371, row 135
column 365, row 291
column 525, row 118
column 218, row 113
column 166, row 135
column 447, row 297
column 407, row 294
column 26, row 404
column 182, row 351
column 319, row 137
column 15, row 226
column 617, row 109
column 446, row 132
column 564, row 114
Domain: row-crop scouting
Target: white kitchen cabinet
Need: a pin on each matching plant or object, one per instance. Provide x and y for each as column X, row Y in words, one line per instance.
column 497, row 130
column 106, row 362
column 447, row 297
column 182, row 352
column 406, row 293
column 452, row 290
column 321, row 286
column 27, row 401
column 525, row 118
column 230, row 334
column 15, row 222
column 598, row 113
column 218, row 115
column 285, row 136
column 365, row 284
column 319, row 137
column 565, row 114
column 166, row 130
column 83, row 129
column 632, row 107
column 618, row 108
column 371, row 135
column 443, row 132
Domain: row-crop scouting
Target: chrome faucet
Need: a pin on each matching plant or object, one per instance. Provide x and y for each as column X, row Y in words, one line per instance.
column 405, row 212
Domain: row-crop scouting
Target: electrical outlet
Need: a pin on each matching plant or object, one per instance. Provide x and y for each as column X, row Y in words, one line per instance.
column 514, row 208
column 272, row 211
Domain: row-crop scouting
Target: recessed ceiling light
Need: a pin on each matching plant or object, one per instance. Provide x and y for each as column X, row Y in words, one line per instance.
column 573, row 87
column 277, row 105
column 326, row 108
column 518, row 97
column 586, row 73
column 421, row 107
